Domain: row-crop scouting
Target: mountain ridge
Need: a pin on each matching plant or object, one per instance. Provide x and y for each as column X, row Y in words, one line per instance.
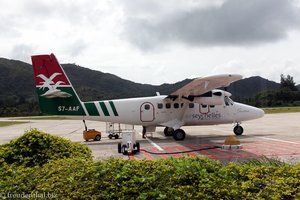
column 18, row 92
column 17, row 80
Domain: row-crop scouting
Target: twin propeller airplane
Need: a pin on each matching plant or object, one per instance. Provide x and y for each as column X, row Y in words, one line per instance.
column 197, row 103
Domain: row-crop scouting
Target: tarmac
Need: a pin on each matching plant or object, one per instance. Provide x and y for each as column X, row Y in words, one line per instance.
column 273, row 136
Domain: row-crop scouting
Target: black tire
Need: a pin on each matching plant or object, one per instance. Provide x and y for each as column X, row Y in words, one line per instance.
column 110, row 136
column 238, row 130
column 179, row 135
column 98, row 138
column 119, row 148
column 124, row 151
column 116, row 136
column 168, row 131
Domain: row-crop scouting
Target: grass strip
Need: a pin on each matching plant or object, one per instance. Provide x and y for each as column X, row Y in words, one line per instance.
column 275, row 110
column 10, row 123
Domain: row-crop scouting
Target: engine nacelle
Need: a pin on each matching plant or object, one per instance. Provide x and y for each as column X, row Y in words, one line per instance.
column 209, row 100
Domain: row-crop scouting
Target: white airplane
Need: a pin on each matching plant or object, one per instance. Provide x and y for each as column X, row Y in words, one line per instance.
column 197, row 103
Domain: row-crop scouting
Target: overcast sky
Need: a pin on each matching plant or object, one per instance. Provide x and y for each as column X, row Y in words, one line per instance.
column 158, row 41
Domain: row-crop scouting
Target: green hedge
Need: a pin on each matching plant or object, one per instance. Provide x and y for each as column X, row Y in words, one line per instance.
column 78, row 177
column 37, row 148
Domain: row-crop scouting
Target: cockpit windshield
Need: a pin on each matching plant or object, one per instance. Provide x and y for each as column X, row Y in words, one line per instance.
column 228, row 101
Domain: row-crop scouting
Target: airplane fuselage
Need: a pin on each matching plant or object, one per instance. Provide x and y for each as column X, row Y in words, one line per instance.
column 157, row 111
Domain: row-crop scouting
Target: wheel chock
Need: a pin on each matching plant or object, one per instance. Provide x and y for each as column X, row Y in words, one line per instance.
column 231, row 142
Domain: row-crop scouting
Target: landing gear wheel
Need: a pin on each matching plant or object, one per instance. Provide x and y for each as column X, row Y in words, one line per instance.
column 168, row 131
column 124, row 150
column 238, row 130
column 179, row 134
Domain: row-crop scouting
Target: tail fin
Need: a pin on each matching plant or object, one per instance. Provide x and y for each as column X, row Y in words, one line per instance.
column 55, row 91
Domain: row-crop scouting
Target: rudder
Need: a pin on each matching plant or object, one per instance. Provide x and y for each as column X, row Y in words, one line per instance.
column 55, row 91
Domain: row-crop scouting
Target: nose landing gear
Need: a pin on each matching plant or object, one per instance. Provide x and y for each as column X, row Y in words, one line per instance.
column 238, row 129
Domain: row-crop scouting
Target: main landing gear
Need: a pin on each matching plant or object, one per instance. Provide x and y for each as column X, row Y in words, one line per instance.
column 238, row 129
column 168, row 131
column 177, row 134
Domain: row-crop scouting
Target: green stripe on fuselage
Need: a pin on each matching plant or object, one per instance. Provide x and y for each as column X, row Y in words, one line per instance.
column 104, row 108
column 91, row 108
column 113, row 108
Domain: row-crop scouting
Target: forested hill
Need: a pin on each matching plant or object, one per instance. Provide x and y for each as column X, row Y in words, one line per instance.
column 249, row 87
column 94, row 85
column 17, row 88
column 16, row 79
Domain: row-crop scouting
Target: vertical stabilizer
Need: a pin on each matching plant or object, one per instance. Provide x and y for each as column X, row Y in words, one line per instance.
column 55, row 91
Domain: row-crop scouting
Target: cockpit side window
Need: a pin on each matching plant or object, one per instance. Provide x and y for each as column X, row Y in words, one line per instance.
column 228, row 101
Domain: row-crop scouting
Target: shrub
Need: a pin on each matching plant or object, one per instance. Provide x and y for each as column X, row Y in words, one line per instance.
column 185, row 178
column 66, row 170
column 37, row 148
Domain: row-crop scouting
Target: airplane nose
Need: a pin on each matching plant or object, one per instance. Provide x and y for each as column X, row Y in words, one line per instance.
column 260, row 112
column 246, row 112
column 256, row 112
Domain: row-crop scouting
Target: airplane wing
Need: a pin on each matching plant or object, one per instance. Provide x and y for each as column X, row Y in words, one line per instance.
column 200, row 86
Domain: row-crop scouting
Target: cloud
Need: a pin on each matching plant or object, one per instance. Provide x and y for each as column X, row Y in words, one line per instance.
column 77, row 47
column 229, row 23
column 21, row 52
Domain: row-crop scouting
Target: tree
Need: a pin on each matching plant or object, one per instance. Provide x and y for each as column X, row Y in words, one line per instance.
column 287, row 83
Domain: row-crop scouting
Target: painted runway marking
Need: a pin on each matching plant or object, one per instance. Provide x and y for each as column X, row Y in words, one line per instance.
column 153, row 143
column 266, row 138
column 249, row 151
column 156, row 151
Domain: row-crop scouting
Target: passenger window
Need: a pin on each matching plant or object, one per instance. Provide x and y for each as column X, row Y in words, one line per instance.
column 204, row 106
column 176, row 105
column 159, row 105
column 191, row 105
column 168, row 105
column 147, row 107
column 212, row 106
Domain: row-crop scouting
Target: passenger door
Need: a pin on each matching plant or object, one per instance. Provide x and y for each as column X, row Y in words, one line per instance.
column 147, row 112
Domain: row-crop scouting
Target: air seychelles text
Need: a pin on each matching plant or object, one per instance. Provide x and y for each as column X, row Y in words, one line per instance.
column 207, row 116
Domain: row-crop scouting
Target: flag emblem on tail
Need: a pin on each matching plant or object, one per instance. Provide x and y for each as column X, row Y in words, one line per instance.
column 52, row 92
